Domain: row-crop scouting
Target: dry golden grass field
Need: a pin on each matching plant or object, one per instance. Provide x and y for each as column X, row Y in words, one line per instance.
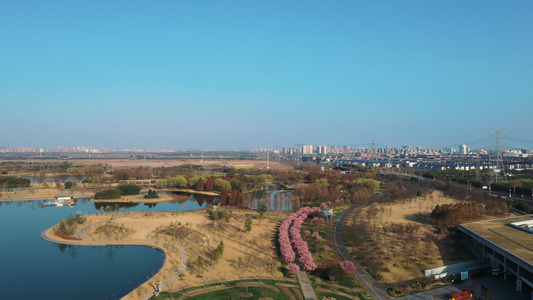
column 381, row 238
column 246, row 254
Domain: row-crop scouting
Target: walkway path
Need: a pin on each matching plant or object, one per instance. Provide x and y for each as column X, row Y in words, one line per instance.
column 307, row 288
column 105, row 242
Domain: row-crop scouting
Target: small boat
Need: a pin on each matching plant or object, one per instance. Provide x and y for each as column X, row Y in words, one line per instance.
column 53, row 203
column 60, row 201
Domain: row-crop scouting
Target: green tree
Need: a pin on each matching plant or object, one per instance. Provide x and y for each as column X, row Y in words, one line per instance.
column 218, row 252
column 321, row 182
column 248, row 224
column 65, row 165
column 221, row 184
column 161, row 183
column 265, row 177
column 70, row 220
column 178, row 181
column 14, row 182
column 151, row 194
column 261, row 208
column 68, row 184
column 368, row 183
column 336, row 273
column 62, row 226
column 108, row 194
column 129, row 189
column 79, row 218
column 200, row 264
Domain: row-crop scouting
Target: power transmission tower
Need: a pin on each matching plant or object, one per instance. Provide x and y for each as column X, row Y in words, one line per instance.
column 298, row 153
column 268, row 159
column 498, row 175
column 278, row 151
column 145, row 158
column 372, row 155
column 477, row 165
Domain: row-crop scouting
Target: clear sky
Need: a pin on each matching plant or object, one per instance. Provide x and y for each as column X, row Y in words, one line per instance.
column 239, row 74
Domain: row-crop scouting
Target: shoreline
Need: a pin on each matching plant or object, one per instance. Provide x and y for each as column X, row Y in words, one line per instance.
column 237, row 243
column 190, row 191
column 134, row 199
column 168, row 254
column 39, row 193
column 51, row 193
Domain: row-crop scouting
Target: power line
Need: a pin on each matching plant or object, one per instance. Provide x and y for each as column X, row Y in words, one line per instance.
column 512, row 139
column 497, row 174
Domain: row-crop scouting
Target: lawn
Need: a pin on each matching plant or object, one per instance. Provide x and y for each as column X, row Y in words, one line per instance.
column 237, row 290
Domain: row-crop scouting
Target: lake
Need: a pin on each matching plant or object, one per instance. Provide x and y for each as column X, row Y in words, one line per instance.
column 32, row 268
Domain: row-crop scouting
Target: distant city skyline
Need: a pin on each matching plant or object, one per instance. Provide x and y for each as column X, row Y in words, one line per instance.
column 305, row 148
column 249, row 74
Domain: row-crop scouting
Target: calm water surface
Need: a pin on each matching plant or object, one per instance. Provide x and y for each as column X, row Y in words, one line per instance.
column 31, row 268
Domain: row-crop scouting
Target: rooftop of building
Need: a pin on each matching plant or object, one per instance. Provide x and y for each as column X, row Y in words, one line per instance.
column 501, row 233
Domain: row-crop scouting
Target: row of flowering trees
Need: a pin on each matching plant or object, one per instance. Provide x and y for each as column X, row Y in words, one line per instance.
column 293, row 246
column 290, row 239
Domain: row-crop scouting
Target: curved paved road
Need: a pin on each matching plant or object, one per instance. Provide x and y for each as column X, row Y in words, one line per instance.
column 104, row 242
column 378, row 290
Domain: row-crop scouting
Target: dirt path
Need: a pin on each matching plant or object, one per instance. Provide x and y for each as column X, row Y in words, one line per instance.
column 241, row 258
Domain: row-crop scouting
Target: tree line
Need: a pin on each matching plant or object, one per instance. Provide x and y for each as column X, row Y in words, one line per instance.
column 449, row 215
column 10, row 182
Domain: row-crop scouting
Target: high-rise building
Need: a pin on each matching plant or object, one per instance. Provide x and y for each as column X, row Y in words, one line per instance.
column 463, row 150
column 307, row 149
column 322, row 149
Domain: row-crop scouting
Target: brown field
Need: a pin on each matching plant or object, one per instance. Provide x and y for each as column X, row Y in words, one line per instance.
column 245, row 254
column 42, row 193
column 155, row 163
column 396, row 256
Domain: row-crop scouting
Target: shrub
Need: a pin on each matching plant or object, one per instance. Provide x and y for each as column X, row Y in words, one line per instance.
column 151, row 195
column 108, row 194
column 11, row 182
column 129, row 189
column 336, row 273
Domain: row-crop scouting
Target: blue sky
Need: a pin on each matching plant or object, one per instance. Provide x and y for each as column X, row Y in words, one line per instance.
column 239, row 74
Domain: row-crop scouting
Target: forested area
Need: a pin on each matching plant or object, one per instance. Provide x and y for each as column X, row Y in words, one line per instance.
column 9, row 182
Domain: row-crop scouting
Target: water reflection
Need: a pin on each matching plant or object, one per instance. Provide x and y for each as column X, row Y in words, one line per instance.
column 72, row 250
column 113, row 206
column 274, row 197
column 150, row 205
column 114, row 270
column 186, row 201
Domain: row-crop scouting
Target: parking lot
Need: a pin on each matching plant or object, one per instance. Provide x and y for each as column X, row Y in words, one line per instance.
column 499, row 288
